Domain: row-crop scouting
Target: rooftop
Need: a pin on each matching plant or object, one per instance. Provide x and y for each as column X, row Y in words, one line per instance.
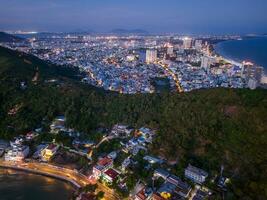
column 197, row 170
column 111, row 173
column 104, row 161
column 52, row 146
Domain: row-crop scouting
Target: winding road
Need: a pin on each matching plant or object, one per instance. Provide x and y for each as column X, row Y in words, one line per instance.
column 65, row 174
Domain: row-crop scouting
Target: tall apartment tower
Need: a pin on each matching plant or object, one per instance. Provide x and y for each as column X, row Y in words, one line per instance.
column 170, row 50
column 198, row 45
column 251, row 71
column 206, row 62
column 187, row 43
column 151, row 55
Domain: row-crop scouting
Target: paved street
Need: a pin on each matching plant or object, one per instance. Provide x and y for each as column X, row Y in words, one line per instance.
column 66, row 174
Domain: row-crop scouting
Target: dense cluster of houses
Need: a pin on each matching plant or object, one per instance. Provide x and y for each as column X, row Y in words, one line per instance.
column 174, row 187
column 110, row 171
column 137, row 140
column 16, row 150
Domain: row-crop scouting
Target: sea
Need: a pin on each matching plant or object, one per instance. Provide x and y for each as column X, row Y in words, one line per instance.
column 17, row 185
column 247, row 49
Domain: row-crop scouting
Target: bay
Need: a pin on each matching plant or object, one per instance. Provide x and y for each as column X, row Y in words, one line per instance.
column 253, row 50
column 17, row 185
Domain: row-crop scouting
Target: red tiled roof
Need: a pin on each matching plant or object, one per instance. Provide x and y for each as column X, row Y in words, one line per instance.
column 51, row 146
column 157, row 197
column 111, row 173
column 104, row 161
column 88, row 197
column 29, row 133
column 141, row 194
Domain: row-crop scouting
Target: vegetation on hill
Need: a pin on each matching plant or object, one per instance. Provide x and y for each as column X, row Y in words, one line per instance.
column 207, row 128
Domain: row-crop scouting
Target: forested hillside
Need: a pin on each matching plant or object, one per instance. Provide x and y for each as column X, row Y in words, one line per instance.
column 208, row 128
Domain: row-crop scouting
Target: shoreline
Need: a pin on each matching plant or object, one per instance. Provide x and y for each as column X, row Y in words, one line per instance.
column 224, row 57
column 236, row 61
column 76, row 180
column 230, row 58
column 73, row 183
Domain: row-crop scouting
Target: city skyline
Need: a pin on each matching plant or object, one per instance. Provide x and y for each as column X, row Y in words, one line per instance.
column 190, row 17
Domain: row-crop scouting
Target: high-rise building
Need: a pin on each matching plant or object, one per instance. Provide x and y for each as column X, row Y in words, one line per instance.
column 151, row 55
column 170, row 50
column 198, row 45
column 187, row 43
column 252, row 83
column 251, row 71
column 206, row 62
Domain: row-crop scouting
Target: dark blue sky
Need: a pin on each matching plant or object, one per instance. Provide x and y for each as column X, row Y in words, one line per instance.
column 180, row 16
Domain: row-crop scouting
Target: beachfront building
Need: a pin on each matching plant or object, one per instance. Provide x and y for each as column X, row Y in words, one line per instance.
column 3, row 146
column 17, row 153
column 252, row 72
column 48, row 152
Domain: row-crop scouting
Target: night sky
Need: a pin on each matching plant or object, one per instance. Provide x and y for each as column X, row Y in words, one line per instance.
column 155, row 16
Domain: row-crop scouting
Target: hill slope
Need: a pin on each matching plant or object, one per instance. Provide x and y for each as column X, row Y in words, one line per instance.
column 4, row 37
column 208, row 128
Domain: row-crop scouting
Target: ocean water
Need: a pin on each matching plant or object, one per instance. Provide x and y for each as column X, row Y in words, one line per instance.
column 254, row 50
column 16, row 185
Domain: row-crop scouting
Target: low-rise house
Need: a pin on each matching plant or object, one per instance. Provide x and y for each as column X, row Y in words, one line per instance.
column 31, row 135
column 157, row 196
column 120, row 130
column 112, row 155
column 18, row 141
column 167, row 189
column 17, row 153
column 173, row 179
column 141, row 140
column 161, row 173
column 102, row 165
column 144, row 194
column 133, row 142
column 58, row 124
column 222, row 182
column 80, row 144
column 110, row 175
column 183, row 189
column 146, row 133
column 38, row 130
column 38, row 153
column 195, row 174
column 49, row 152
column 173, row 186
column 125, row 164
column 153, row 160
column 200, row 195
column 3, row 146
